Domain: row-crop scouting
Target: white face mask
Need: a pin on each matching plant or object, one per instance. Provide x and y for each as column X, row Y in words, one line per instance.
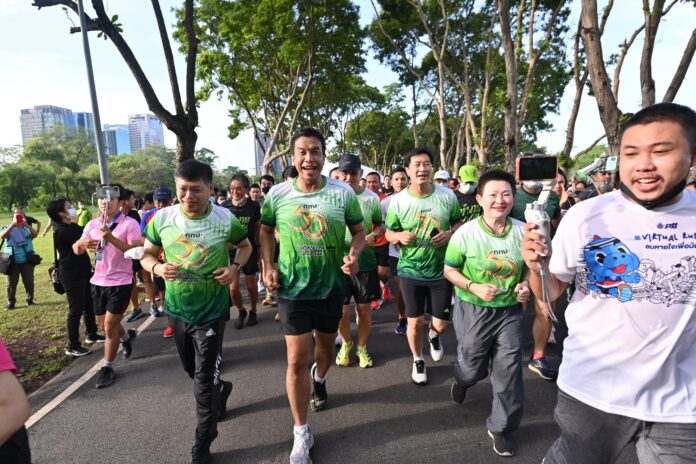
column 467, row 188
column 72, row 214
column 532, row 185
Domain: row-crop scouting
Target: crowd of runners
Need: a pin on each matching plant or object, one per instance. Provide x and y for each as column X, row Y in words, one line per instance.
column 450, row 250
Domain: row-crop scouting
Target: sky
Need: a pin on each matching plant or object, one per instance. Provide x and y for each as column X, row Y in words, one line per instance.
column 41, row 63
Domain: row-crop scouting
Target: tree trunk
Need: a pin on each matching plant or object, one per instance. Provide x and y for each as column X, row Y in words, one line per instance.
column 609, row 111
column 511, row 78
column 185, row 145
column 681, row 69
column 652, row 22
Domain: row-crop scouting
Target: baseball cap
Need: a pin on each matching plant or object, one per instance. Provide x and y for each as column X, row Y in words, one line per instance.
column 349, row 162
column 442, row 174
column 468, row 173
column 162, row 193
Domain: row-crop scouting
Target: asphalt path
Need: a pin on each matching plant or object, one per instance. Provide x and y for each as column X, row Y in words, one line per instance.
column 374, row 415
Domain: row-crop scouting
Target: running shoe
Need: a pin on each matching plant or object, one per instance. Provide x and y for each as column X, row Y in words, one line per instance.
column 261, row 287
column 77, row 351
column 386, row 294
column 458, row 392
column 543, row 369
column 106, row 377
column 135, row 315
column 200, row 454
column 253, row 320
column 502, row 445
column 301, row 446
column 9, row 307
column 127, row 346
column 95, row 338
column 319, row 396
column 376, row 304
column 30, row 302
column 343, row 356
column 239, row 323
column 225, row 392
column 436, row 350
column 401, row 327
column 154, row 311
column 168, row 332
column 418, row 373
column 269, row 301
column 363, row 356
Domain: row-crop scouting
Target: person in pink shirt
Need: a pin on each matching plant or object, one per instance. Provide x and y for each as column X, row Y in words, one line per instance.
column 110, row 235
column 14, row 411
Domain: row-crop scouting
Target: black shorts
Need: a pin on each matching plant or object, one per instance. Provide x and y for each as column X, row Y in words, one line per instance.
column 252, row 266
column 136, row 265
column 159, row 283
column 363, row 287
column 431, row 296
column 112, row 299
column 277, row 253
column 382, row 253
column 299, row 317
column 393, row 264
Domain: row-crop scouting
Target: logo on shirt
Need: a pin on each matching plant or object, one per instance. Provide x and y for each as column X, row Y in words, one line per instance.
column 310, row 224
column 612, row 267
column 500, row 269
column 191, row 254
column 428, row 222
column 662, row 226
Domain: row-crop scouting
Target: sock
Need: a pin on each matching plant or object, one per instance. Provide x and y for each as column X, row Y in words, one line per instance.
column 126, row 337
column 317, row 378
column 419, row 358
column 300, row 428
column 432, row 334
column 106, row 363
column 538, row 355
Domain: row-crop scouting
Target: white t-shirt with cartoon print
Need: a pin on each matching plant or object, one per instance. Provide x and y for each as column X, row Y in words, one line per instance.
column 631, row 346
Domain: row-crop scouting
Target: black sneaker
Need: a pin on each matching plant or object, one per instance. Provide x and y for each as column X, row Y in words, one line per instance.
column 543, row 369
column 106, row 377
column 239, row 323
column 77, row 351
column 502, row 445
column 127, row 346
column 319, row 396
column 30, row 303
column 225, row 392
column 458, row 392
column 9, row 307
column 252, row 319
column 96, row 338
column 200, row 454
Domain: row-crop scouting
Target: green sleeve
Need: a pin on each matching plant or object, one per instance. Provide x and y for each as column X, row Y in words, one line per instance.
column 554, row 206
column 152, row 231
column 392, row 220
column 353, row 212
column 377, row 214
column 455, row 256
column 267, row 213
column 237, row 231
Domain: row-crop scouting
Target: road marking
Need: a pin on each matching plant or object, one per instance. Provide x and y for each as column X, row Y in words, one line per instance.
column 65, row 394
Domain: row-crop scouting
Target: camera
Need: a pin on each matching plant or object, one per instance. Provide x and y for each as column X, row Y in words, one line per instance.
column 543, row 169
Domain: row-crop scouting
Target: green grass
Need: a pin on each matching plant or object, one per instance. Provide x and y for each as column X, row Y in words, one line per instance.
column 36, row 337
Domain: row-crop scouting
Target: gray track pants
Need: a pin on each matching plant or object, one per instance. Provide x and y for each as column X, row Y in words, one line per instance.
column 491, row 334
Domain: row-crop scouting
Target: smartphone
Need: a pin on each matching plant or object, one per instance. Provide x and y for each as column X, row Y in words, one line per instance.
column 19, row 218
column 434, row 232
column 537, row 167
column 108, row 192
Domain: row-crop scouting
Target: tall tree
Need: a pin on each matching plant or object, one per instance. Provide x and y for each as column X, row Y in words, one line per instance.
column 184, row 120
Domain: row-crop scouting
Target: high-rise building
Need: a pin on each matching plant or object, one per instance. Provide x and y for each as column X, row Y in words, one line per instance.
column 84, row 120
column 116, row 139
column 145, row 130
column 40, row 118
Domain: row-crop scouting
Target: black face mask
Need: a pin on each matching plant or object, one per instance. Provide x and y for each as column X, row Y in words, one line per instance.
column 265, row 190
column 661, row 200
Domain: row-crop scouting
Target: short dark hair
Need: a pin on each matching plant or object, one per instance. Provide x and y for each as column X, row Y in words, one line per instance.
column 584, row 184
column 254, row 186
column 374, row 173
column 399, row 169
column 291, row 172
column 126, row 194
column 193, row 170
column 418, row 151
column 149, row 197
column 241, row 178
column 54, row 207
column 666, row 112
column 268, row 177
column 496, row 174
column 308, row 132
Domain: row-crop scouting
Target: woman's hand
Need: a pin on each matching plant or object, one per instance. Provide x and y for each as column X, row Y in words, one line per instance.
column 522, row 291
column 484, row 291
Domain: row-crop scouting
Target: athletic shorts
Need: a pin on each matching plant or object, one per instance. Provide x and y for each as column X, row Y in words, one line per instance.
column 136, row 265
column 431, row 296
column 299, row 317
column 382, row 253
column 112, row 299
column 393, row 264
column 159, row 283
column 252, row 266
column 363, row 287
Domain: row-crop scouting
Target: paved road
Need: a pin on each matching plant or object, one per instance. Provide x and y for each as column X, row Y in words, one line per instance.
column 375, row 415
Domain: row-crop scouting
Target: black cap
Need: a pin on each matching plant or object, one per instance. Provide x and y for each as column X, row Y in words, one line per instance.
column 349, row 163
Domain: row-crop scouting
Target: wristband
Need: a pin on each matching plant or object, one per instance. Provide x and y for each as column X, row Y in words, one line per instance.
column 234, row 263
column 152, row 270
column 468, row 286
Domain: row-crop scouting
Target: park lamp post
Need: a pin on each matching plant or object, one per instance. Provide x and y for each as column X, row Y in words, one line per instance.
column 101, row 158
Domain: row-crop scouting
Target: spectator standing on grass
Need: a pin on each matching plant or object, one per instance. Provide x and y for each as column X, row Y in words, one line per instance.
column 83, row 214
column 18, row 236
column 14, row 411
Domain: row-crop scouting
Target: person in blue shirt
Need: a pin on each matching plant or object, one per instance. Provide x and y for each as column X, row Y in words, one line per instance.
column 18, row 242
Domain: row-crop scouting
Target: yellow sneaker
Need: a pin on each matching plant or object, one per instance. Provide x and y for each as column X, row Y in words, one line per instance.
column 343, row 356
column 364, row 357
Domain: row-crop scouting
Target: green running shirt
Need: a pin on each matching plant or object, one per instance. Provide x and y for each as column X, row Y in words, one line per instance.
column 312, row 228
column 200, row 245
column 485, row 258
column 421, row 260
column 372, row 215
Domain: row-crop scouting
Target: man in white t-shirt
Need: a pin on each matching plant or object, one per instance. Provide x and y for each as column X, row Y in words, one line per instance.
column 629, row 363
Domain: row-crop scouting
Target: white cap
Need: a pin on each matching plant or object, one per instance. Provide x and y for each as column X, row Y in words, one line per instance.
column 442, row 174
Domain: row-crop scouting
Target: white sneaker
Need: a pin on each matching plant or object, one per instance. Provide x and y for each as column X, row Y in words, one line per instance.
column 261, row 287
column 436, row 350
column 300, row 448
column 418, row 374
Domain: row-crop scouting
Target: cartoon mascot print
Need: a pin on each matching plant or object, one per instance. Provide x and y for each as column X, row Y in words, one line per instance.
column 612, row 266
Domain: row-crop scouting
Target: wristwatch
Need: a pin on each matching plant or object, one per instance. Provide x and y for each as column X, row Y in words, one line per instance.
column 235, row 263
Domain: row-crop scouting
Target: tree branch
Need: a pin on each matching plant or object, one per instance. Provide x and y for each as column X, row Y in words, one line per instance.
column 582, row 152
column 169, row 57
column 684, row 64
column 622, row 55
column 191, row 53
